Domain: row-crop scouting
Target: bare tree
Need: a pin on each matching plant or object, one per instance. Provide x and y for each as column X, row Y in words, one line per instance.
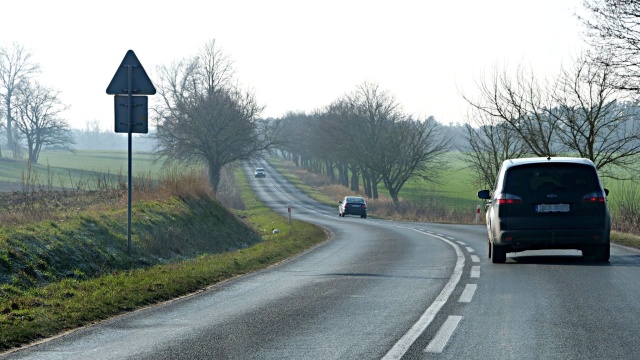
column 488, row 142
column 15, row 68
column 388, row 144
column 411, row 148
column 593, row 124
column 37, row 119
column 613, row 31
column 370, row 111
column 576, row 114
column 338, row 137
column 204, row 118
column 522, row 102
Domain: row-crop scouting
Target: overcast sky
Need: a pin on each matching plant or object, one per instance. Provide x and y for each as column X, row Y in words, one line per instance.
column 296, row 55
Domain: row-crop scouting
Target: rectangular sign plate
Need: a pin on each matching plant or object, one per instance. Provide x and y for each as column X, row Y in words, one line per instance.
column 139, row 114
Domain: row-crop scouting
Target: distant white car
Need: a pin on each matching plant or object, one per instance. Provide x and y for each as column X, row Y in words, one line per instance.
column 260, row 172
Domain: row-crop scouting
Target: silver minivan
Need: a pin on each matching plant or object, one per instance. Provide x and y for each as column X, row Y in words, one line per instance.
column 548, row 203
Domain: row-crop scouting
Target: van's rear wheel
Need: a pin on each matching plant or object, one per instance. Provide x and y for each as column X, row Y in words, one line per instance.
column 498, row 254
column 599, row 253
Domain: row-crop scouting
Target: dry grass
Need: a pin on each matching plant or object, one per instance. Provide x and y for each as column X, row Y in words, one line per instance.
column 37, row 201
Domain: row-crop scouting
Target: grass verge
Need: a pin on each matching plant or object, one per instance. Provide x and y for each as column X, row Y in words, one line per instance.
column 629, row 240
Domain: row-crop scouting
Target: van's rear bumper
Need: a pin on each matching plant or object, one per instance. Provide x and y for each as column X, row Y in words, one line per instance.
column 520, row 240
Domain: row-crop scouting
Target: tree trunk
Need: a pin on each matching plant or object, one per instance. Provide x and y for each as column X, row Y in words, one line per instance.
column 355, row 179
column 394, row 196
column 366, row 183
column 214, row 177
column 374, row 188
column 9, row 122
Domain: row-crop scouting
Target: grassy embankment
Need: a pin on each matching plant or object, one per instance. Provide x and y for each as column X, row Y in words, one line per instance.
column 73, row 269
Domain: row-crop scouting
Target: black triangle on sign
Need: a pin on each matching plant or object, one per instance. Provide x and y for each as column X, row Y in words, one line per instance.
column 140, row 82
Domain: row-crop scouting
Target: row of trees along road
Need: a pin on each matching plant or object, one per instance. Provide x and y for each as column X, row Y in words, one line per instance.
column 32, row 111
column 366, row 134
column 589, row 110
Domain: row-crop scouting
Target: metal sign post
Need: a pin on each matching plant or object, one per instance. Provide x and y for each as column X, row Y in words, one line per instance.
column 130, row 79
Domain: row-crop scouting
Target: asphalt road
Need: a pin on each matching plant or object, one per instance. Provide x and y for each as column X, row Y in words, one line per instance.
column 380, row 289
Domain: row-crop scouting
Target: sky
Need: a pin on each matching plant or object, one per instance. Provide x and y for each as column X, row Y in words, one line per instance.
column 296, row 55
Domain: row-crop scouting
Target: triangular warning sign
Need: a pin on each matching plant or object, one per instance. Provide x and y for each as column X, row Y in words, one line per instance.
column 140, row 82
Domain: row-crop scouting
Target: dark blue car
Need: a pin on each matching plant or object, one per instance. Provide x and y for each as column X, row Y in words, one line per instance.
column 352, row 205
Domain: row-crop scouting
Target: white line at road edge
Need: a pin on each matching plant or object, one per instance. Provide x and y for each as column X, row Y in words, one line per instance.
column 405, row 342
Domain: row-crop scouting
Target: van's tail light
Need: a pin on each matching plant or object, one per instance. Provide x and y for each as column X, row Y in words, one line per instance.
column 594, row 198
column 503, row 199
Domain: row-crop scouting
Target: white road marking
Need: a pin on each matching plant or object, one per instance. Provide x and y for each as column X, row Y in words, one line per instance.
column 401, row 347
column 470, row 249
column 461, row 243
column 475, row 258
column 467, row 293
column 475, row 271
column 444, row 334
column 450, row 238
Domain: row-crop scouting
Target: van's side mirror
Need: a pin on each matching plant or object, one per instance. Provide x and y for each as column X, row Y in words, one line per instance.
column 340, row 202
column 484, row 194
column 606, row 192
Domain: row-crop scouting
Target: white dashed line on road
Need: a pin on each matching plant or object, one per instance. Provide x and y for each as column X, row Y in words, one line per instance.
column 442, row 337
column 461, row 243
column 467, row 293
column 470, row 249
column 475, row 271
column 475, row 258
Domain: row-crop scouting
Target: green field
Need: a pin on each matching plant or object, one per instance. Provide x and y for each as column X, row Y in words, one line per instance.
column 66, row 169
column 453, row 189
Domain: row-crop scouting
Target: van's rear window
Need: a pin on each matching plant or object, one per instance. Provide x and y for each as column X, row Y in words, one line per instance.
column 551, row 177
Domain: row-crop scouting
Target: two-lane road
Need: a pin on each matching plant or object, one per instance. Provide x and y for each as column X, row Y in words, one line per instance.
column 382, row 289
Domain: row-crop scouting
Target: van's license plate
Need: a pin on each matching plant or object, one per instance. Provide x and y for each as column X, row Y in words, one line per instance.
column 545, row 208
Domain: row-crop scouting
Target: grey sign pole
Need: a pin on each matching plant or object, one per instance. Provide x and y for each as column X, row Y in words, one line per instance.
column 131, row 75
column 129, row 182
